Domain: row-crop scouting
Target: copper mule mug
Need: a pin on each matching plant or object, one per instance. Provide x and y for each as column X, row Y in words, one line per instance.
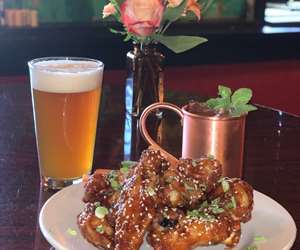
column 217, row 136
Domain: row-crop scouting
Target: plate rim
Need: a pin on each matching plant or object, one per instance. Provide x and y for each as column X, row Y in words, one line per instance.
column 57, row 245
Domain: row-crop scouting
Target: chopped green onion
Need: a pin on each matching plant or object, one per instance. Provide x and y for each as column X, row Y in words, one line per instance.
column 252, row 247
column 200, row 215
column 224, row 179
column 208, row 217
column 203, row 205
column 215, row 202
column 100, row 229
column 124, row 170
column 71, row 232
column 259, row 238
column 150, row 191
column 217, row 210
column 97, row 204
column 112, row 175
column 115, row 185
column 203, row 187
column 101, row 212
column 233, row 202
column 188, row 187
column 128, row 164
column 193, row 213
column 194, row 163
column 225, row 185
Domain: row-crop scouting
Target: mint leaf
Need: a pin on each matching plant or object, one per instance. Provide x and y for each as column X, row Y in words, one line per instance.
column 172, row 14
column 180, row 44
column 224, row 92
column 236, row 105
column 242, row 109
column 223, row 104
column 213, row 102
column 241, row 96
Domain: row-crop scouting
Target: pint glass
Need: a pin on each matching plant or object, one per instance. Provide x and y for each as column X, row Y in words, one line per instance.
column 65, row 96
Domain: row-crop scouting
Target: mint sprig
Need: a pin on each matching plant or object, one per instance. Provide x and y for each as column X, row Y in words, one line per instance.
column 235, row 104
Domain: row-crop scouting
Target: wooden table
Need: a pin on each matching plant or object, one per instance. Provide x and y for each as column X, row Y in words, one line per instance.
column 272, row 158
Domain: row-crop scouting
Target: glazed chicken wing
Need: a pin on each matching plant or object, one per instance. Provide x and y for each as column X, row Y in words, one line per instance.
column 98, row 231
column 236, row 197
column 191, row 232
column 187, row 183
column 137, row 203
column 181, row 206
column 216, row 220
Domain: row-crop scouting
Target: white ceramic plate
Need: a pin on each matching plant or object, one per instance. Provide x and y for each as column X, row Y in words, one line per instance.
column 269, row 219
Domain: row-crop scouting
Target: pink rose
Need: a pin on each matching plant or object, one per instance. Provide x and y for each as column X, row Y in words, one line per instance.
column 142, row 17
column 108, row 10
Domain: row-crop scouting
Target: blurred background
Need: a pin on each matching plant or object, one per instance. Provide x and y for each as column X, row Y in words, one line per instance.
column 252, row 43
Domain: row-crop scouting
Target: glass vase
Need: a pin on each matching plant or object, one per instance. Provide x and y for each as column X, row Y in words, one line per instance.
column 144, row 84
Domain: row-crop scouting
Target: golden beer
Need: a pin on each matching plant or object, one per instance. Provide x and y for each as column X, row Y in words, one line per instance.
column 66, row 96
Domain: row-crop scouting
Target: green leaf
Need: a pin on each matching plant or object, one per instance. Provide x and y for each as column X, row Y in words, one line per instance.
column 118, row 2
column 172, row 14
column 117, row 31
column 241, row 109
column 213, row 102
column 180, row 44
column 224, row 103
column 127, row 38
column 224, row 91
column 219, row 103
column 241, row 96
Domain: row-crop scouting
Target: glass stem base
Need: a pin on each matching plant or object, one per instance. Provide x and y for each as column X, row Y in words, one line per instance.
column 48, row 183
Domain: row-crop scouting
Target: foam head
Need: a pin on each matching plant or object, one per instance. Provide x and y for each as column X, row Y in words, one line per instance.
column 65, row 76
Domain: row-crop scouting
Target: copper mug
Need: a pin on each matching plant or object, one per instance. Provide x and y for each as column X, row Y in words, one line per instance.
column 217, row 136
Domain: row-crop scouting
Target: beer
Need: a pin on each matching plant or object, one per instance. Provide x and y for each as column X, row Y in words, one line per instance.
column 66, row 95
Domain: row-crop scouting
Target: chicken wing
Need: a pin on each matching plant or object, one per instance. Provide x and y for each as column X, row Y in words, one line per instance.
column 185, row 184
column 136, row 206
column 191, row 232
column 236, row 197
column 98, row 230
column 216, row 220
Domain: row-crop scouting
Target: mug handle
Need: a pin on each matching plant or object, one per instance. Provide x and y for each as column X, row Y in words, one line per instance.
column 144, row 132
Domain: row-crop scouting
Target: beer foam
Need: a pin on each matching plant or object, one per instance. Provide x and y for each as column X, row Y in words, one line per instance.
column 66, row 76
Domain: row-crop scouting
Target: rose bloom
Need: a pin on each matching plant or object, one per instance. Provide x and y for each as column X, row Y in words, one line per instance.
column 142, row 17
column 108, row 10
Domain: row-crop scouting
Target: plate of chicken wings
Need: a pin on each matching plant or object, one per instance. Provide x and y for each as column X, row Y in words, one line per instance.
column 152, row 204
